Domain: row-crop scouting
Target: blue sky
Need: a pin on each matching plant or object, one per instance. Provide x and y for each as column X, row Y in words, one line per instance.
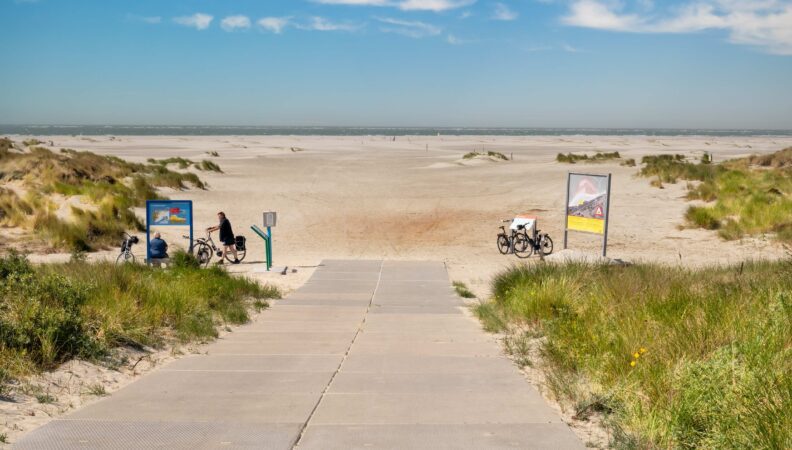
column 530, row 63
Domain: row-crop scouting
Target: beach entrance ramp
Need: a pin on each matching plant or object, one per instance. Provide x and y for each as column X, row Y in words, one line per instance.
column 367, row 354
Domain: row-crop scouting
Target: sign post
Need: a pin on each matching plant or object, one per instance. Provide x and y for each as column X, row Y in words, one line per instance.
column 168, row 213
column 588, row 206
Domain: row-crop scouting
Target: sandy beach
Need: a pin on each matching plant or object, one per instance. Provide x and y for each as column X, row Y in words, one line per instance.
column 415, row 198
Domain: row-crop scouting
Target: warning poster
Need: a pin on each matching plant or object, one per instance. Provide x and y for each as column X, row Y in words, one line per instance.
column 587, row 203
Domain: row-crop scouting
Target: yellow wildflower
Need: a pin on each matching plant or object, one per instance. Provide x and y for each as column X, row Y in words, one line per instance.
column 632, row 363
column 642, row 350
column 636, row 355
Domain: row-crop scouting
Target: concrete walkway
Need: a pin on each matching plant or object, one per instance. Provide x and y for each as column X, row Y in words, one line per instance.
column 368, row 354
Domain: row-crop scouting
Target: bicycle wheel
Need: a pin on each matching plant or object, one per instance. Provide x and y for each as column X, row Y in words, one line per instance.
column 240, row 253
column 203, row 254
column 503, row 244
column 523, row 246
column 546, row 245
column 125, row 258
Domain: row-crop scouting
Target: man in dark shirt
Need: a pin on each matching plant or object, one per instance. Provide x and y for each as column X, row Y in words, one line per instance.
column 158, row 248
column 226, row 237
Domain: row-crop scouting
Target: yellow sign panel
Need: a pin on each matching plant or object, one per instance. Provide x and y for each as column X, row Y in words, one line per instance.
column 586, row 224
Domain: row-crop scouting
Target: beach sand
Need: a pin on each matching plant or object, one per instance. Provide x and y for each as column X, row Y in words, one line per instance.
column 415, row 198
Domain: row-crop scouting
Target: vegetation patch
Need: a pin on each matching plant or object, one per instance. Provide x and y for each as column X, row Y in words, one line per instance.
column 749, row 196
column 571, row 158
column 50, row 314
column 183, row 163
column 462, row 290
column 490, row 154
column 108, row 188
column 673, row 357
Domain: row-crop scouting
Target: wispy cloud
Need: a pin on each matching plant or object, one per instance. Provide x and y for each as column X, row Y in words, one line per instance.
column 274, row 24
column 503, row 12
column 570, row 49
column 766, row 24
column 406, row 5
column 317, row 23
column 409, row 28
column 199, row 21
column 233, row 23
column 455, row 40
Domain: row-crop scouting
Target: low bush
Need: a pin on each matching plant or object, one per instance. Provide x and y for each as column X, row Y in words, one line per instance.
column 676, row 358
column 571, row 158
column 462, row 290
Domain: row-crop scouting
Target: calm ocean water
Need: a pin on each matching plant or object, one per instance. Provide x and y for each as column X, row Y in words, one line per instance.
column 132, row 130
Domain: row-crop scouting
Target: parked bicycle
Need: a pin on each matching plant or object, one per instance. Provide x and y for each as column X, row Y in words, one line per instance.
column 204, row 249
column 515, row 242
column 520, row 242
column 126, row 256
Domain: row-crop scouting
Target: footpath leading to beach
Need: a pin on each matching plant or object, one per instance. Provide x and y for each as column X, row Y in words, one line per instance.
column 366, row 354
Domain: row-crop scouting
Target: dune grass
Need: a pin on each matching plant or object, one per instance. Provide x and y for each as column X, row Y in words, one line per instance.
column 748, row 197
column 109, row 187
column 50, row 314
column 571, row 158
column 675, row 357
column 462, row 290
column 491, row 154
column 183, row 163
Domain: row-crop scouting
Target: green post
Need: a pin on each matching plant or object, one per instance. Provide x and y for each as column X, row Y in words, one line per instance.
column 267, row 244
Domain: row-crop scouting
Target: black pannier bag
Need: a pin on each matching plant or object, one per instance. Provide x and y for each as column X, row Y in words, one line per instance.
column 240, row 242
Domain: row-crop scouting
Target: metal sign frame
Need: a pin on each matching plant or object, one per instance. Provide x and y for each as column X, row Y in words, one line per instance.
column 169, row 204
column 607, row 211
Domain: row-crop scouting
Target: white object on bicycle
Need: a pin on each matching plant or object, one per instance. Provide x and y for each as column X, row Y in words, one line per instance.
column 528, row 222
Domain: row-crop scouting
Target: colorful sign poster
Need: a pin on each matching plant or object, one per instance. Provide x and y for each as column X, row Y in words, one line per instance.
column 587, row 203
column 166, row 213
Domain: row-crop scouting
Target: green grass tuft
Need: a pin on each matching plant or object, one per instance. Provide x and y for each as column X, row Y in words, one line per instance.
column 463, row 290
column 52, row 313
column 677, row 358
column 571, row 158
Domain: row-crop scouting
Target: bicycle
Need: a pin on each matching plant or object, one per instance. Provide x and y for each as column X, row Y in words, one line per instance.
column 517, row 242
column 205, row 248
column 126, row 256
column 540, row 243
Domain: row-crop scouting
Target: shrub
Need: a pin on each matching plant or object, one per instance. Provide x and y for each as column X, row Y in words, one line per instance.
column 463, row 290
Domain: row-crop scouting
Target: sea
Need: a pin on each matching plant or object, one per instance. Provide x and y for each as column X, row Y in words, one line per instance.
column 163, row 130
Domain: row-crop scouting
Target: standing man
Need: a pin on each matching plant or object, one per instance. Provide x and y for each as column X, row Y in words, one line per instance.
column 226, row 237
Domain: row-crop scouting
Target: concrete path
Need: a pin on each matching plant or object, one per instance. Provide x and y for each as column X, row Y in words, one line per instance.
column 368, row 354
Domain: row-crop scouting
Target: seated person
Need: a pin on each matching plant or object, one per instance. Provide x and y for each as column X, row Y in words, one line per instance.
column 158, row 248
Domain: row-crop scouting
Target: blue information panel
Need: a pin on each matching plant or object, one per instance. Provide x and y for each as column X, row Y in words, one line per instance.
column 168, row 213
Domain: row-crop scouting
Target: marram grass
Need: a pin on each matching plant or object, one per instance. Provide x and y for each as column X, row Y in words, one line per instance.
column 678, row 358
column 52, row 313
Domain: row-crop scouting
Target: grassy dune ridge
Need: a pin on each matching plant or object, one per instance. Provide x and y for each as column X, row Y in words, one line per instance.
column 36, row 183
column 675, row 357
column 745, row 197
column 52, row 313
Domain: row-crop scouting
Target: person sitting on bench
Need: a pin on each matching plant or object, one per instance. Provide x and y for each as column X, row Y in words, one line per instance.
column 158, row 248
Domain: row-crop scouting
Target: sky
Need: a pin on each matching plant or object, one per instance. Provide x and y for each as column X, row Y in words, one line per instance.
column 721, row 64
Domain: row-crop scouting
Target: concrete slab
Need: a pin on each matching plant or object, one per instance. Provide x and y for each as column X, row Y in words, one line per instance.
column 231, row 383
column 428, row 383
column 425, row 364
column 251, row 336
column 427, row 408
column 426, row 348
column 323, row 275
column 328, row 303
column 185, row 406
column 535, row 436
column 280, row 348
column 101, row 434
column 427, row 309
column 256, row 363
column 325, row 296
column 299, row 326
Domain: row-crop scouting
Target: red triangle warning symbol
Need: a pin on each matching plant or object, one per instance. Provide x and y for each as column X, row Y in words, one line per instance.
column 598, row 212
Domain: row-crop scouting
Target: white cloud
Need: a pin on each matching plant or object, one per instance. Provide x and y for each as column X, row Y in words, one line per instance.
column 321, row 24
column 199, row 21
column 569, row 48
column 766, row 24
column 454, row 40
column 406, row 5
column 232, row 23
column 273, row 24
column 413, row 29
column 503, row 12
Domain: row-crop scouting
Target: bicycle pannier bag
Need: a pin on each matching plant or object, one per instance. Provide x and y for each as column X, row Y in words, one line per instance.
column 240, row 242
